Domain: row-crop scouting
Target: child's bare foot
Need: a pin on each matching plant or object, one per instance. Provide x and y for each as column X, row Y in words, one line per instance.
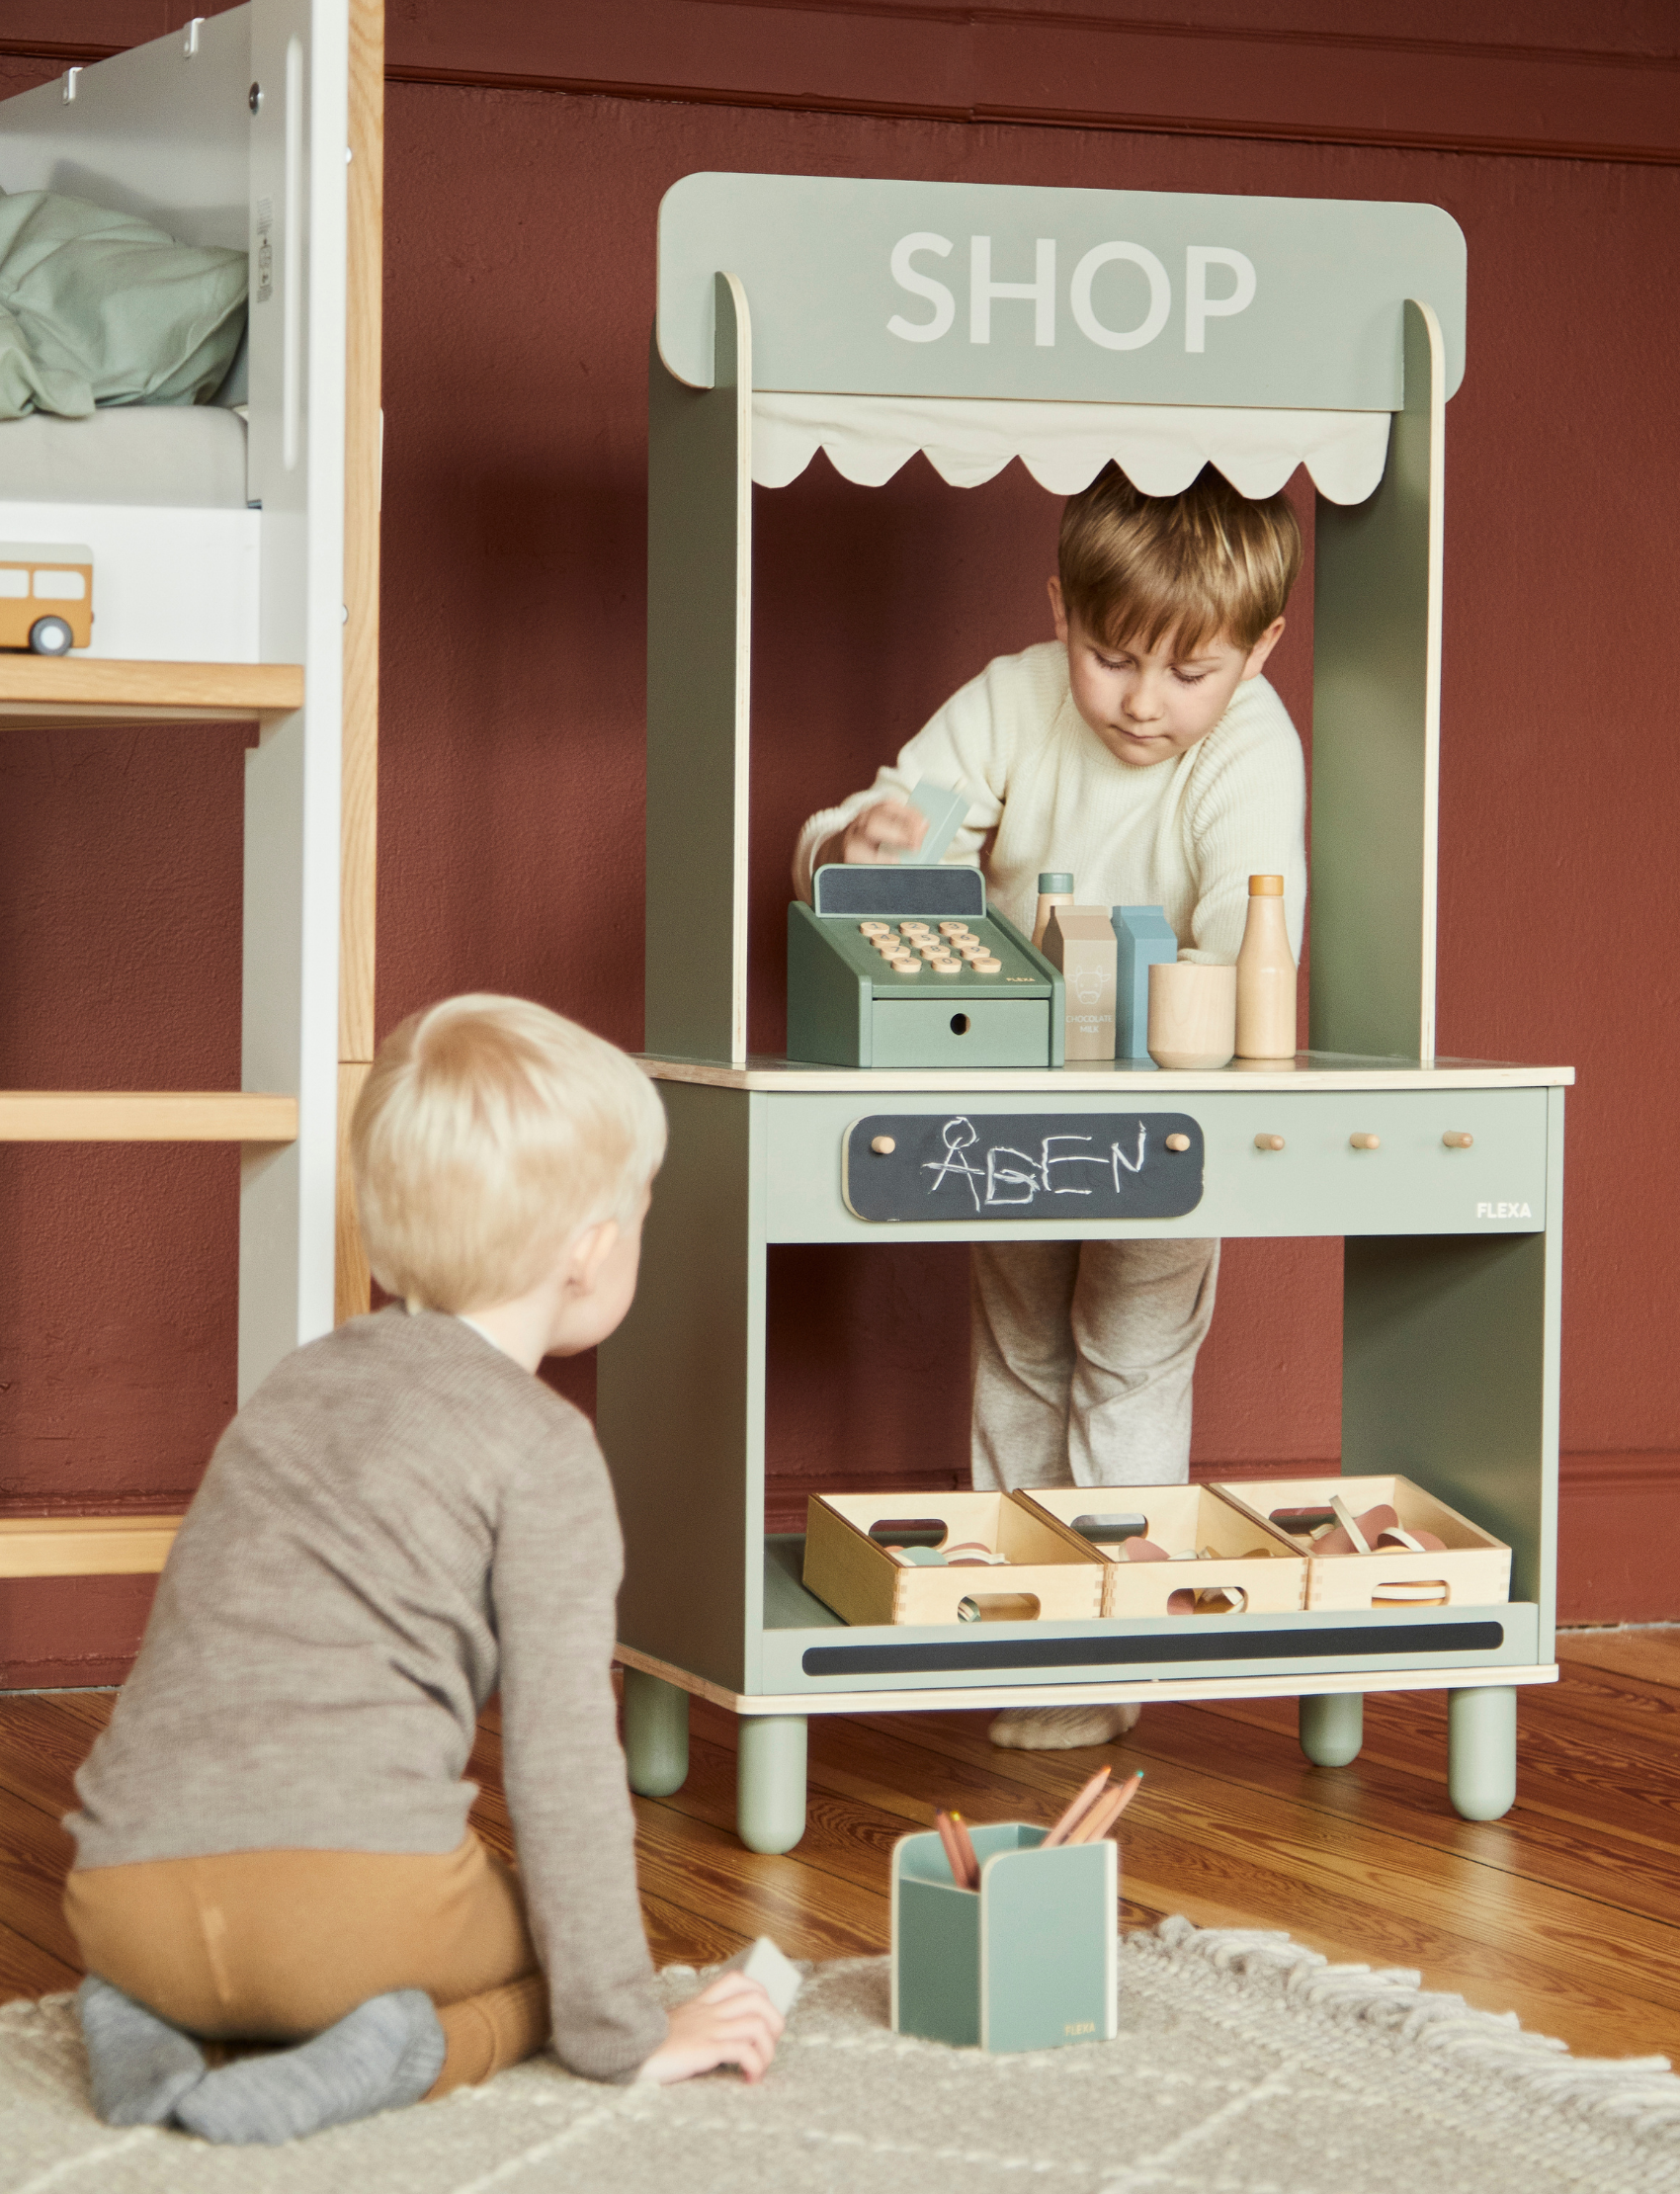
column 1062, row 1729
column 732, row 2022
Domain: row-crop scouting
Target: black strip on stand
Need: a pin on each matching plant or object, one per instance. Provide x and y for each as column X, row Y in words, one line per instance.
column 1363, row 1643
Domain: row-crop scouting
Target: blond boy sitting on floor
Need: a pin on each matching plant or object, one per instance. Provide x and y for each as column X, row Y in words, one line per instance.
column 1143, row 751
column 273, row 1841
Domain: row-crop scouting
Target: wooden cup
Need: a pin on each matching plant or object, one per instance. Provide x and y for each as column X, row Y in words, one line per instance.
column 1191, row 1015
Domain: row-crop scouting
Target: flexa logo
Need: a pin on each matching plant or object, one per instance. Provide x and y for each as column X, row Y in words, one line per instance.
column 1503, row 1211
column 1202, row 302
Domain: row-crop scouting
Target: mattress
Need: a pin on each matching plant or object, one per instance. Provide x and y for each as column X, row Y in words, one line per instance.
column 187, row 457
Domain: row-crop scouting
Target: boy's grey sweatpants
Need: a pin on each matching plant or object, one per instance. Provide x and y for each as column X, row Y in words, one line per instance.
column 1084, row 1354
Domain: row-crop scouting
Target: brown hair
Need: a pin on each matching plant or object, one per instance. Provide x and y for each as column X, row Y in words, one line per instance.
column 1205, row 564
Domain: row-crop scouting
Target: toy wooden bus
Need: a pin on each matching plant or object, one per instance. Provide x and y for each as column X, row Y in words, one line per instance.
column 45, row 596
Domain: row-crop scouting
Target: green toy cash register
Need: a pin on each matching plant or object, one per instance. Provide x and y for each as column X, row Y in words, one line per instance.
column 905, row 967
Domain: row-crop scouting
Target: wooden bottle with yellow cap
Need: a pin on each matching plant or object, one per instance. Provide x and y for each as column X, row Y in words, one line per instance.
column 1265, row 977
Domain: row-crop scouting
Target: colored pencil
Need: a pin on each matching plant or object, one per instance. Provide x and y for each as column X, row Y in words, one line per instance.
column 953, row 1849
column 1079, row 1806
column 964, row 1844
column 1106, row 1811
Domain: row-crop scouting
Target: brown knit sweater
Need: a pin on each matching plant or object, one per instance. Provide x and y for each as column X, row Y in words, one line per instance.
column 399, row 1521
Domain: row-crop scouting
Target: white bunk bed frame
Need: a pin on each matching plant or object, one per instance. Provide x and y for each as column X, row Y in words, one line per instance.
column 262, row 127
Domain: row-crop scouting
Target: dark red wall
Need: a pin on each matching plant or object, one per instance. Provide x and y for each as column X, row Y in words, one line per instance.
column 518, row 292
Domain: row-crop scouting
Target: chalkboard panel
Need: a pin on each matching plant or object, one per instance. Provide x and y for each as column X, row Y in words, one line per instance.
column 981, row 1165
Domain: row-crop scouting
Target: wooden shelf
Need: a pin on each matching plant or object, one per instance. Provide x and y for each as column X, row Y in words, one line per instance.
column 147, row 1116
column 85, row 1546
column 70, row 689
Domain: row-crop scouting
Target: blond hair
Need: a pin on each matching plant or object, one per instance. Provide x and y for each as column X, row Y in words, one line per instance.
column 489, row 1131
column 1204, row 565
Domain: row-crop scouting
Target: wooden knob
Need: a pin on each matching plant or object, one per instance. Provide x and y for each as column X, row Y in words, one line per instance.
column 1178, row 1142
column 1456, row 1140
column 1365, row 1142
column 883, row 1146
column 1268, row 1142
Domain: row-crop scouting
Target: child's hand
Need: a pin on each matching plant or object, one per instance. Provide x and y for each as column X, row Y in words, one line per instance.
column 733, row 2022
column 883, row 827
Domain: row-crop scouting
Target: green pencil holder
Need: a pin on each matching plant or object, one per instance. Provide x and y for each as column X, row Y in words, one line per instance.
column 1029, row 1961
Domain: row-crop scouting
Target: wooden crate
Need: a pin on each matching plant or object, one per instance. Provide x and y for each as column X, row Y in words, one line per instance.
column 1473, row 1571
column 852, row 1573
column 1183, row 1519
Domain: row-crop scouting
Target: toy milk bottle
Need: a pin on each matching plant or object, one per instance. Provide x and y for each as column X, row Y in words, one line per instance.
column 1265, row 977
column 1055, row 888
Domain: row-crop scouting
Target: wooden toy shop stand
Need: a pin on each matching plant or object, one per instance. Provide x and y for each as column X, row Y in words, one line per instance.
column 787, row 284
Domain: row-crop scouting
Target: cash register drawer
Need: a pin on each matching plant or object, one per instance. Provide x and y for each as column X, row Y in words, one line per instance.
column 973, row 1032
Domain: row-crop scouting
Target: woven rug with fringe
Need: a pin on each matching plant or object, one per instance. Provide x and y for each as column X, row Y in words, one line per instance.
column 1245, row 2065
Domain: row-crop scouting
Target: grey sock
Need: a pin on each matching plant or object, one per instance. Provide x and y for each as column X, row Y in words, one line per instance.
column 138, row 2064
column 385, row 2053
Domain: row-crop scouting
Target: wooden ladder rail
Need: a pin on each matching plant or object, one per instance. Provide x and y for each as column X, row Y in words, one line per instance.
column 363, row 452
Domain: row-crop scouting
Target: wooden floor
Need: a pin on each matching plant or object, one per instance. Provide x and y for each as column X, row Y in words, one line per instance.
column 1566, row 1912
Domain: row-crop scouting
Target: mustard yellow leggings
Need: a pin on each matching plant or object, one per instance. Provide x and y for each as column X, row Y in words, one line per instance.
column 275, row 1945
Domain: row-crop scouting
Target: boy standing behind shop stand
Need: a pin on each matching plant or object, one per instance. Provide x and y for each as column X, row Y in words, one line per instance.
column 1143, row 751
column 273, row 1841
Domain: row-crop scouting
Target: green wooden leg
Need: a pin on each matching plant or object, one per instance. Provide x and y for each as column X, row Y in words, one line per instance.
column 1332, row 1728
column 1481, row 1751
column 656, row 1734
column 770, row 1781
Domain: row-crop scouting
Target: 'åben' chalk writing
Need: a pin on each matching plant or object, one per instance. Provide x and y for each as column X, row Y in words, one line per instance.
column 1069, row 1171
column 1028, row 1176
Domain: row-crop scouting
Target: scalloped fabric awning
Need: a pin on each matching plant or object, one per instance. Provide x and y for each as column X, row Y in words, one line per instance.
column 1160, row 447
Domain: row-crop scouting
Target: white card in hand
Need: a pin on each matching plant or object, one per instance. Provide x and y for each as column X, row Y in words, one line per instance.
column 779, row 1978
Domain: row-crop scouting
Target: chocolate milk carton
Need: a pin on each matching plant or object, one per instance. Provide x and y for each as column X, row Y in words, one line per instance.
column 1080, row 940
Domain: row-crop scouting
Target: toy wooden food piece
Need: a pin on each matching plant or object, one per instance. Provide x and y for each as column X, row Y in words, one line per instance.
column 1191, row 1015
column 1080, row 940
column 1143, row 938
column 1265, row 977
column 1055, row 888
column 1378, row 1527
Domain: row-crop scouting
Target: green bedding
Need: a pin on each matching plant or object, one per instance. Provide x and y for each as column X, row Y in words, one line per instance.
column 105, row 308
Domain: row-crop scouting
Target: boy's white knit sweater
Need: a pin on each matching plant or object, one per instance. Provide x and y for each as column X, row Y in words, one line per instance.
column 1183, row 835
